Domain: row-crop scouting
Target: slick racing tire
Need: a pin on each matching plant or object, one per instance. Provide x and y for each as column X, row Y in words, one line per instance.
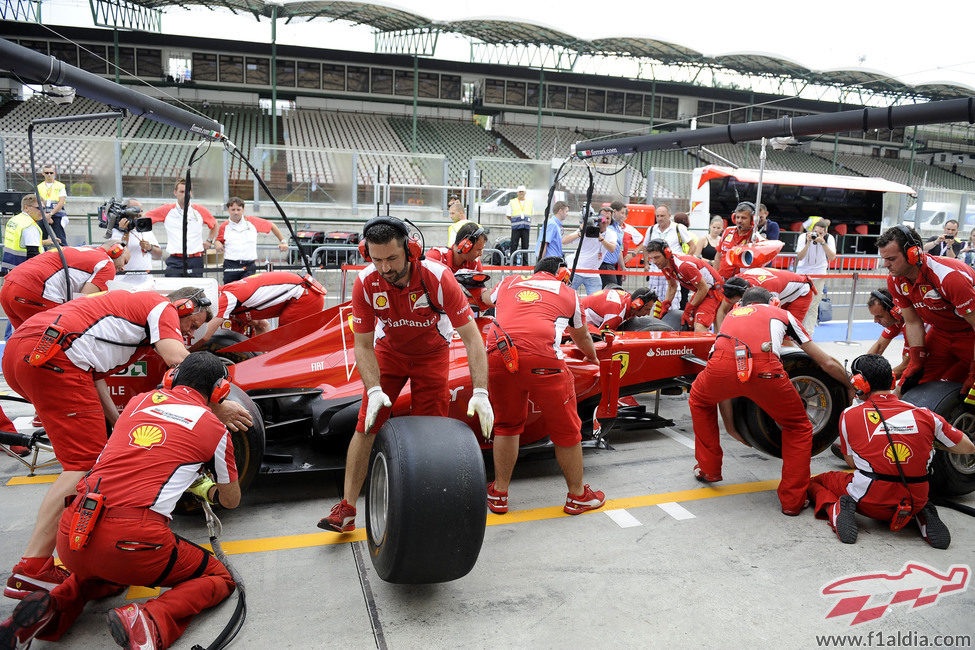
column 951, row 474
column 224, row 339
column 248, row 451
column 645, row 324
column 824, row 397
column 426, row 504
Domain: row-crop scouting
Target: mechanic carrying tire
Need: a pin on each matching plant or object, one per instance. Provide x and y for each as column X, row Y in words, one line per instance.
column 58, row 360
column 161, row 441
column 888, row 443
column 417, row 304
column 608, row 309
column 525, row 361
column 745, row 362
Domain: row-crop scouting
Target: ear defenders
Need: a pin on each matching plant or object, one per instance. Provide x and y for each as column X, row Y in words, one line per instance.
column 219, row 392
column 189, row 306
column 884, row 301
column 467, row 243
column 860, row 383
column 912, row 248
column 413, row 249
column 563, row 274
column 115, row 251
column 637, row 304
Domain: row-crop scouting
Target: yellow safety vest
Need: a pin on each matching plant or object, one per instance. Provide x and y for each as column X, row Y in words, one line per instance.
column 14, row 252
column 521, row 213
column 52, row 196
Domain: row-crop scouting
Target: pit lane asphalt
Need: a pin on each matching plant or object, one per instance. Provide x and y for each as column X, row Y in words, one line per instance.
column 680, row 565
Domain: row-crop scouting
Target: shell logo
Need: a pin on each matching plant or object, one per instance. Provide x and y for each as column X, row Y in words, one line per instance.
column 528, row 296
column 351, row 329
column 742, row 311
column 158, row 397
column 899, row 452
column 147, row 436
column 381, row 301
column 905, row 288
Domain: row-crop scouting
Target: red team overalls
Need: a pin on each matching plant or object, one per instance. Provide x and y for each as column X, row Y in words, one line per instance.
column 942, row 295
column 606, row 309
column 38, row 283
column 731, row 238
column 446, row 257
column 688, row 270
column 413, row 326
column 278, row 294
column 876, row 485
column 794, row 291
column 769, row 387
column 159, row 444
column 534, row 311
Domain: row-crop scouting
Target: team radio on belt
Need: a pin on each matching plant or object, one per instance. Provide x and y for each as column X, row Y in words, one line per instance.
column 405, row 309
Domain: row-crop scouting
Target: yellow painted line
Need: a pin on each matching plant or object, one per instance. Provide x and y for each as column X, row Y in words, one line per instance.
column 142, row 592
column 33, row 480
column 514, row 517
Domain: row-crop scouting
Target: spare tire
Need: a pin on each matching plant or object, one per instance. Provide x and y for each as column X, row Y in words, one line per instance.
column 645, row 324
column 426, row 505
column 951, row 474
column 224, row 339
column 824, row 397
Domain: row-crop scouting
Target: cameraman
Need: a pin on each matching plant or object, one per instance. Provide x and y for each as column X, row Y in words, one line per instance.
column 596, row 242
column 143, row 246
column 814, row 253
column 945, row 244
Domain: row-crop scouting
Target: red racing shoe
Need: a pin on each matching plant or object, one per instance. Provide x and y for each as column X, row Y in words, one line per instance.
column 576, row 504
column 30, row 616
column 23, row 582
column 132, row 628
column 497, row 501
column 341, row 519
column 700, row 475
column 842, row 518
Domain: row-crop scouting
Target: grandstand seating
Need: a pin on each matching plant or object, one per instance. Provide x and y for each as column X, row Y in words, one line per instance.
column 459, row 141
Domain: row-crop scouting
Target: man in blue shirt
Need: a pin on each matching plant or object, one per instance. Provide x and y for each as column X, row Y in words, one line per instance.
column 553, row 232
column 612, row 259
column 766, row 226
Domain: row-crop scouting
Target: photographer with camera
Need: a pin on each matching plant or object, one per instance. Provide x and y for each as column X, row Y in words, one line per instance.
column 126, row 224
column 814, row 252
column 597, row 241
column 946, row 244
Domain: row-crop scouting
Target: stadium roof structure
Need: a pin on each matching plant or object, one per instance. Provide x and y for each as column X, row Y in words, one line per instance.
column 401, row 31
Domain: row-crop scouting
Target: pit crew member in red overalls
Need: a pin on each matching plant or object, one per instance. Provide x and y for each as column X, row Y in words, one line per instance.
column 753, row 333
column 279, row 294
column 38, row 283
column 404, row 311
column 89, row 339
column 889, row 444
column 160, row 443
column 934, row 291
column 739, row 234
column 465, row 253
column 238, row 235
column 793, row 291
column 525, row 366
column 607, row 309
column 694, row 274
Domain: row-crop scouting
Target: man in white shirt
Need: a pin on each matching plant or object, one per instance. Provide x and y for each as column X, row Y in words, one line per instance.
column 143, row 246
column 814, row 252
column 592, row 250
column 238, row 235
column 171, row 215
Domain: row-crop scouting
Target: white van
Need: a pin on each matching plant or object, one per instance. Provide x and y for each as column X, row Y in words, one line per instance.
column 497, row 201
column 934, row 215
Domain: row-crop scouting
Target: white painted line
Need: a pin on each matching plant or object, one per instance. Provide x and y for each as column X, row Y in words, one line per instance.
column 679, row 437
column 24, row 423
column 623, row 518
column 675, row 510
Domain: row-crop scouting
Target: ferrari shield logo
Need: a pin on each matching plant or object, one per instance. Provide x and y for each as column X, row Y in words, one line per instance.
column 873, row 417
column 419, row 300
column 624, row 359
column 158, row 397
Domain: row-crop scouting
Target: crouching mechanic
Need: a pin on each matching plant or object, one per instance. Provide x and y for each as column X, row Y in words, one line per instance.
column 251, row 301
column 609, row 308
column 695, row 275
column 160, row 443
column 525, row 362
column 404, row 312
column 465, row 253
column 38, row 283
column 793, row 291
column 889, row 444
column 59, row 360
column 754, row 332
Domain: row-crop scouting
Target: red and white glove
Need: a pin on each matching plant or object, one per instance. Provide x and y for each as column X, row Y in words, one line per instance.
column 915, row 363
column 661, row 308
column 690, row 312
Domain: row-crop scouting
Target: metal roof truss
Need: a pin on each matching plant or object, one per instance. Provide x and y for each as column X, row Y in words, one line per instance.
column 541, row 55
column 122, row 14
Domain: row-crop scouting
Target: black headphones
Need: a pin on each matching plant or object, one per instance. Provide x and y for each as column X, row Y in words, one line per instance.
column 414, row 251
column 885, row 302
column 913, row 247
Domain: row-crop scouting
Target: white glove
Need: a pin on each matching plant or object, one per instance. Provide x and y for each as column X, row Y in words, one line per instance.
column 481, row 405
column 377, row 400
